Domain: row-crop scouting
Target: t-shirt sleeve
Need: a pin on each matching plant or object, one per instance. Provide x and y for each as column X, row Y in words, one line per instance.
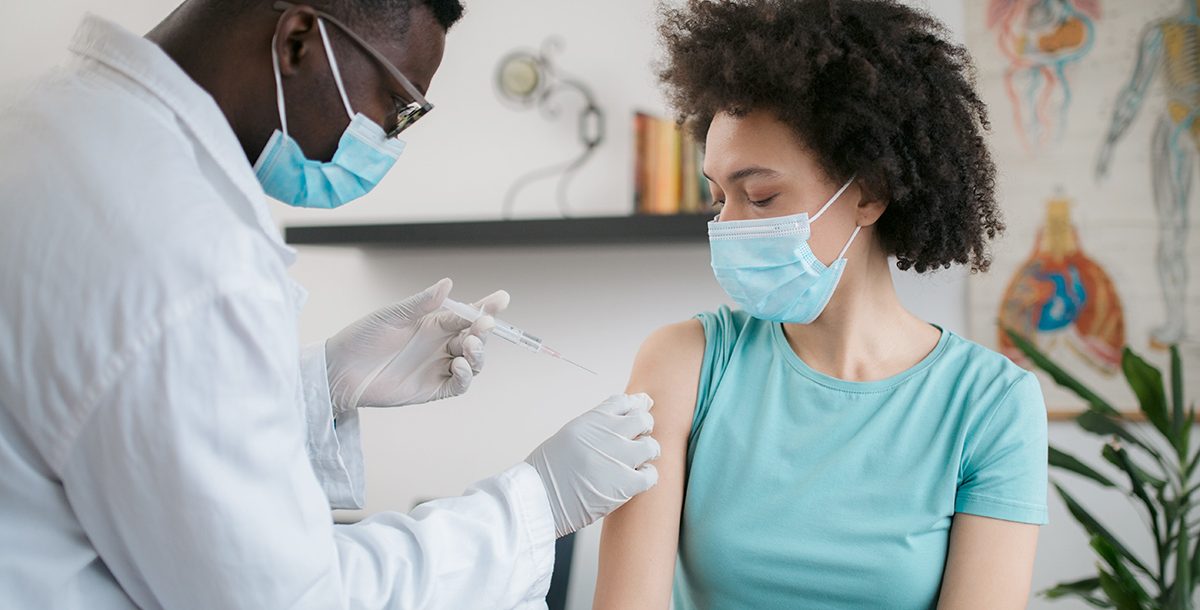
column 720, row 335
column 1005, row 461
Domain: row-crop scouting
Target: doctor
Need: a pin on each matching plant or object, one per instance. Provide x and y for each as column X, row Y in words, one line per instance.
column 164, row 441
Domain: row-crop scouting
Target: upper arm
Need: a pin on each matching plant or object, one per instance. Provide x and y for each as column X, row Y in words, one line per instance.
column 1000, row 503
column 989, row 564
column 637, row 547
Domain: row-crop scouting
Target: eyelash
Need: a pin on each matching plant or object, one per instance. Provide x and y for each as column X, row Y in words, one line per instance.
column 720, row 203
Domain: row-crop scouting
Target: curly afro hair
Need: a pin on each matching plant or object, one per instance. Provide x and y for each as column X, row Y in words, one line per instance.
column 872, row 87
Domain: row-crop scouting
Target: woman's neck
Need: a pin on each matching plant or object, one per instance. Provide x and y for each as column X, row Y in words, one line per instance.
column 864, row 333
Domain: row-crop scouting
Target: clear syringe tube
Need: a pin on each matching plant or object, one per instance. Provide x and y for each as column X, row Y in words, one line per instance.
column 509, row 333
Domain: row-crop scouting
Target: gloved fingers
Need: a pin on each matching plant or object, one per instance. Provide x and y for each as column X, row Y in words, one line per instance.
column 635, row 423
column 460, row 378
column 489, row 305
column 646, row 449
column 493, row 303
column 452, row 323
column 472, row 351
column 620, row 404
column 633, row 453
column 427, row 301
column 647, row 478
column 467, row 346
column 483, row 327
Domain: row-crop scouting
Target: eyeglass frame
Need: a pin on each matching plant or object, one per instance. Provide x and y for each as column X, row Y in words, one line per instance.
column 412, row 111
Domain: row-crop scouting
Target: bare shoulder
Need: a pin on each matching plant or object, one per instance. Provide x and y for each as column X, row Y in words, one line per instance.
column 668, row 369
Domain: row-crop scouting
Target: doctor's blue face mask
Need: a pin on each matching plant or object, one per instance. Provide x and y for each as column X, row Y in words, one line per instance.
column 767, row 267
column 363, row 157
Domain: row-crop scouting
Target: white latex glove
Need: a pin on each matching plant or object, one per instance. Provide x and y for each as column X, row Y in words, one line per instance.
column 409, row 353
column 598, row 461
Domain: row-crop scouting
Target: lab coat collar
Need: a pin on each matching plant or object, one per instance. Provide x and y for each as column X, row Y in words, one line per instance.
column 146, row 64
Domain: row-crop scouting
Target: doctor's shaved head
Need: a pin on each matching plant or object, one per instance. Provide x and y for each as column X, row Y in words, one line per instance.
column 226, row 47
column 369, row 17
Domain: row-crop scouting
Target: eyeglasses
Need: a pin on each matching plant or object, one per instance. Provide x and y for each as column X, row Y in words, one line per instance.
column 407, row 112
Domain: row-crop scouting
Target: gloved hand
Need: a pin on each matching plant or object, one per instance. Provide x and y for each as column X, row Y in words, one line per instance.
column 408, row 353
column 598, row 461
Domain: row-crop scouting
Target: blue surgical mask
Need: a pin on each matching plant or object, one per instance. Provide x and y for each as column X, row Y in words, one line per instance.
column 363, row 157
column 767, row 267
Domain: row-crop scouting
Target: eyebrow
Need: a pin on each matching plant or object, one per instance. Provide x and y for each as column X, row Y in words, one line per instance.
column 747, row 172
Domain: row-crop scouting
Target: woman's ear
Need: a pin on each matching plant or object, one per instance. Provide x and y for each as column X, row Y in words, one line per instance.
column 871, row 205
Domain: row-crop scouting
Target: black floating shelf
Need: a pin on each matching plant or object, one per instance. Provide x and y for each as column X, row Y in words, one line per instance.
column 684, row 228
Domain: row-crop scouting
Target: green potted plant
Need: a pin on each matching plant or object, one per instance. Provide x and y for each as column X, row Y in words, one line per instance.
column 1158, row 475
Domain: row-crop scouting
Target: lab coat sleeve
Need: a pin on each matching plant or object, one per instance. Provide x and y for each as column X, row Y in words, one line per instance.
column 192, row 481
column 334, row 446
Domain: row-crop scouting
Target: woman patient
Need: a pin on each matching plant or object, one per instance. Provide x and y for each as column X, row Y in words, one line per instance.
column 822, row 446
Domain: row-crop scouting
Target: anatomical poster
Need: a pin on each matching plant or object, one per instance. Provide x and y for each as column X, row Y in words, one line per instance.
column 1095, row 112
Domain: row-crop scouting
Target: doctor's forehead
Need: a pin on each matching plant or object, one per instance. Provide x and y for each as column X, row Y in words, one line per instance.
column 418, row 50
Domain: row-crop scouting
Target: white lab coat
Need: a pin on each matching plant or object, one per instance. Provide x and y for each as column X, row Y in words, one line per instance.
column 163, row 441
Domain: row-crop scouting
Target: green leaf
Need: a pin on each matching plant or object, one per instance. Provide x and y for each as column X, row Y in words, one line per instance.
column 1196, row 562
column 1122, row 599
column 1137, row 481
column 1094, row 528
column 1191, row 467
column 1104, row 425
column 1176, row 383
column 1110, row 453
column 1181, row 589
column 1078, row 587
column 1147, row 384
column 1179, row 418
column 1060, row 376
column 1058, row 459
column 1170, row 508
column 1120, row 571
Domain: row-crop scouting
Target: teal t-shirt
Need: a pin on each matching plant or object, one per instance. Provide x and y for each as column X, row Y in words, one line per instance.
column 807, row 491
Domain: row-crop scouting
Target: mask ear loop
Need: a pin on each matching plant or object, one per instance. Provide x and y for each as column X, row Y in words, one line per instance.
column 833, row 199
column 337, row 73
column 278, row 85
column 846, row 247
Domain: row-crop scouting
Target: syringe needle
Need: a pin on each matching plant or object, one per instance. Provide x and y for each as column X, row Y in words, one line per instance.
column 568, row 360
column 557, row 354
column 509, row 333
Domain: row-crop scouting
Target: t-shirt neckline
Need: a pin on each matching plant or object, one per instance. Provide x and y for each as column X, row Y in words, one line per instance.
column 860, row 387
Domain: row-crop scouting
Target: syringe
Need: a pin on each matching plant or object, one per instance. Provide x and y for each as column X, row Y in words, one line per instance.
column 509, row 333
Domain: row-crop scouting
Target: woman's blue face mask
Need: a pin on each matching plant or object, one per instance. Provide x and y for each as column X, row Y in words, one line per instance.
column 767, row 267
column 363, row 157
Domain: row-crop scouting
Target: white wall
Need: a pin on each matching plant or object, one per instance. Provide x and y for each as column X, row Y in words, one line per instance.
column 594, row 303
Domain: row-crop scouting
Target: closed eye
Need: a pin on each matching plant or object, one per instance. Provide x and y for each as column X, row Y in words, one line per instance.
column 763, row 202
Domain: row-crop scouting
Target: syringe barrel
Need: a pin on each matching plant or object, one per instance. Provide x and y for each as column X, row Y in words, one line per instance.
column 516, row 336
column 503, row 330
column 462, row 310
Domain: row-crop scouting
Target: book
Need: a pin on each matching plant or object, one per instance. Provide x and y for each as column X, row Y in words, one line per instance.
column 668, row 174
